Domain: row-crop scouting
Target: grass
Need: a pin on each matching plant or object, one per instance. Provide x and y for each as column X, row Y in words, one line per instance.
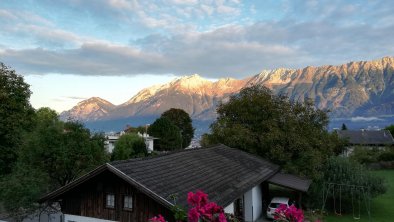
column 382, row 207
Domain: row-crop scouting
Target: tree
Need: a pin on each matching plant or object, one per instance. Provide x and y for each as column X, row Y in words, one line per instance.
column 63, row 150
column 182, row 120
column 391, row 129
column 15, row 116
column 344, row 127
column 169, row 135
column 53, row 154
column 353, row 175
column 289, row 134
column 128, row 146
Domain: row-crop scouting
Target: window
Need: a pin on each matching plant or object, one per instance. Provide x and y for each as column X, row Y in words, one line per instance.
column 128, row 202
column 110, row 201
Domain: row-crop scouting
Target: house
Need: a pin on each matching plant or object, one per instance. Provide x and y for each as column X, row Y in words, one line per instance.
column 148, row 141
column 111, row 139
column 138, row 189
column 369, row 139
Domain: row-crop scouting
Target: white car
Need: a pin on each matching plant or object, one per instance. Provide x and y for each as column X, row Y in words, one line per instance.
column 275, row 203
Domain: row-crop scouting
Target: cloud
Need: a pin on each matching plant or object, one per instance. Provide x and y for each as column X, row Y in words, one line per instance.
column 75, row 97
column 232, row 50
column 365, row 119
column 174, row 41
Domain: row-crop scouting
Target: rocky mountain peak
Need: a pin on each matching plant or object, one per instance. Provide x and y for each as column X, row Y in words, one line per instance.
column 194, row 81
column 95, row 100
column 355, row 88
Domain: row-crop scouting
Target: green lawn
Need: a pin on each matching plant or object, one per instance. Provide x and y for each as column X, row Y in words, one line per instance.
column 382, row 207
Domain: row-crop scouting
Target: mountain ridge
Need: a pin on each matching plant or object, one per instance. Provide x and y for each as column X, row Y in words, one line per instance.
column 356, row 88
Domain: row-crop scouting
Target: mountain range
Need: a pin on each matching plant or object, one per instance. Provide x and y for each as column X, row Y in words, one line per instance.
column 363, row 88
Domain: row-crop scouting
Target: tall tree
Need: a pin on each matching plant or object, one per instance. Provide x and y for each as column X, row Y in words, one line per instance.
column 63, row 150
column 391, row 129
column 128, row 146
column 53, row 154
column 169, row 136
column 182, row 120
column 344, row 127
column 15, row 116
column 289, row 134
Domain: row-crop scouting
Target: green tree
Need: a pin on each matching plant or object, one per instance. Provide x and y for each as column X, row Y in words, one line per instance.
column 289, row 134
column 53, row 154
column 342, row 170
column 63, row 150
column 20, row 190
column 344, row 127
column 128, row 146
column 391, row 129
column 169, row 135
column 15, row 116
column 182, row 120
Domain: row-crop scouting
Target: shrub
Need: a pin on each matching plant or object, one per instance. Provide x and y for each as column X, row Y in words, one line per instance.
column 340, row 170
column 386, row 156
column 365, row 155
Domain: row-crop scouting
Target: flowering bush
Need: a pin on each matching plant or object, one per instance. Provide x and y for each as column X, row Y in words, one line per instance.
column 201, row 209
column 157, row 219
column 288, row 214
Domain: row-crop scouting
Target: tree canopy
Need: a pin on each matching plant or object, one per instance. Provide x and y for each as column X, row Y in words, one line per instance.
column 128, row 146
column 15, row 116
column 169, row 136
column 287, row 133
column 182, row 120
column 64, row 150
column 53, row 154
column 391, row 129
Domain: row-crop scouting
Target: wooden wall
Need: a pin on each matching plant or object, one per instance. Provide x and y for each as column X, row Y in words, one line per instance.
column 88, row 200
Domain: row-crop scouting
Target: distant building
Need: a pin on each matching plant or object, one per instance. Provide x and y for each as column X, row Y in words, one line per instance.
column 368, row 139
column 111, row 139
column 149, row 141
column 138, row 189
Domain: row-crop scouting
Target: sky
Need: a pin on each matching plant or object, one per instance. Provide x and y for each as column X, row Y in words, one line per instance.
column 70, row 50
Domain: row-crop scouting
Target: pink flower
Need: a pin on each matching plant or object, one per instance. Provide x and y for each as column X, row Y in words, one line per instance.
column 193, row 215
column 222, row 217
column 197, row 199
column 157, row 219
column 291, row 214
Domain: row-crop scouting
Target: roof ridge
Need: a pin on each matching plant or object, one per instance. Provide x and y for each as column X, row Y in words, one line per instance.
column 166, row 153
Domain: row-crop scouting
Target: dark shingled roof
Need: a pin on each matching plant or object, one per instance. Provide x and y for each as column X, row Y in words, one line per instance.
column 365, row 137
column 223, row 173
column 290, row 181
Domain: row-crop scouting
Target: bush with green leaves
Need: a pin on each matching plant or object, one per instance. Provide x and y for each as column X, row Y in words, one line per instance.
column 365, row 155
column 341, row 170
column 129, row 145
column 386, row 156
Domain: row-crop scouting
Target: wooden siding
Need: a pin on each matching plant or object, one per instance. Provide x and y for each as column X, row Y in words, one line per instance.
column 88, row 200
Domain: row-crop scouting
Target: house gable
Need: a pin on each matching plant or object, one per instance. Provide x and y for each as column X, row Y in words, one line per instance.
column 88, row 198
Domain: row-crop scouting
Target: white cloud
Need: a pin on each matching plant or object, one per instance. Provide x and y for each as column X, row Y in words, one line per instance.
column 365, row 119
column 184, row 2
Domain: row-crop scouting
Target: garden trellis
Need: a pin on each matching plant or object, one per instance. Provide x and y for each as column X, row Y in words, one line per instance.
column 337, row 189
